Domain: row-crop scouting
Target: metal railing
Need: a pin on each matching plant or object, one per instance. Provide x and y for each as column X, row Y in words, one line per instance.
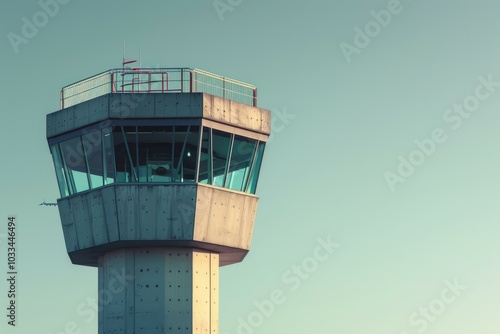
column 157, row 80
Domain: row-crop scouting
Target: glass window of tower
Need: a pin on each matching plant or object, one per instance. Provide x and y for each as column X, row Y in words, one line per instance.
column 157, row 154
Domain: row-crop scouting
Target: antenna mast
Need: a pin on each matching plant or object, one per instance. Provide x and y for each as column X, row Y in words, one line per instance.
column 123, row 55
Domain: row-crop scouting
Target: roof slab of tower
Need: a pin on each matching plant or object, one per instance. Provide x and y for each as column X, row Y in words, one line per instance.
column 237, row 117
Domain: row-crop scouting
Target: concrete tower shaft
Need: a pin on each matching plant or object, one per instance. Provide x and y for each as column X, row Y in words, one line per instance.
column 165, row 290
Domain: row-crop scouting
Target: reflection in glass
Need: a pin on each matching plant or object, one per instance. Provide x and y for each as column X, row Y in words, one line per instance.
column 129, row 134
column 254, row 173
column 155, row 153
column 74, row 160
column 185, row 153
column 241, row 159
column 205, row 173
column 125, row 153
column 108, row 160
column 221, row 145
column 92, row 144
column 58, row 165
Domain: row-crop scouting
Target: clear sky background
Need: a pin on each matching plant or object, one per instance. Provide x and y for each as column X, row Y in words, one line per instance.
column 342, row 120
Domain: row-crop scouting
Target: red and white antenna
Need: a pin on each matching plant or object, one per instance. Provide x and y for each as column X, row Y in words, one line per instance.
column 126, row 62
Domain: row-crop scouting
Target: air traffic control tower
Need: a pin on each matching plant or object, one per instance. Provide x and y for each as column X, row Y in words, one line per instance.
column 157, row 170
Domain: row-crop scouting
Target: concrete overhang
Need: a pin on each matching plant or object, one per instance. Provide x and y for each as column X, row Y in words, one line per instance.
column 160, row 106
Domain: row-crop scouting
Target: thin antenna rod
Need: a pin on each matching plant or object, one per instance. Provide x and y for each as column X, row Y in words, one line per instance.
column 123, row 55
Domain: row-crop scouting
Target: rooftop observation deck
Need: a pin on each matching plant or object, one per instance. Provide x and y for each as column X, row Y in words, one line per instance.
column 157, row 80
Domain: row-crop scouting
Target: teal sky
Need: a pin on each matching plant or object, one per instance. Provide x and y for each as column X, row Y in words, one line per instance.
column 339, row 128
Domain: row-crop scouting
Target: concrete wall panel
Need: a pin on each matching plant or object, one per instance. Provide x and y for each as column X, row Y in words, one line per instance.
column 201, row 292
column 68, row 226
column 236, row 114
column 147, row 210
column 80, row 210
column 144, row 104
column 178, row 289
column 182, row 208
column 112, row 293
column 110, row 213
column 149, row 290
column 128, row 215
column 163, row 214
column 80, row 113
column 164, row 108
column 226, row 224
column 214, row 293
column 96, row 214
column 97, row 109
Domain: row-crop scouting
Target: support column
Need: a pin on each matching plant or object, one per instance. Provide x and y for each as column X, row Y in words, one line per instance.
column 159, row 291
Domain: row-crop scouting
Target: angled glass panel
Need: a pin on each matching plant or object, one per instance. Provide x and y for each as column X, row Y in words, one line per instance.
column 92, row 145
column 190, row 161
column 205, row 174
column 189, row 154
column 221, row 142
column 241, row 159
column 121, row 157
column 185, row 153
column 124, row 140
column 155, row 153
column 130, row 133
column 69, row 180
column 108, row 159
column 254, row 173
column 74, row 160
column 59, row 168
column 180, row 136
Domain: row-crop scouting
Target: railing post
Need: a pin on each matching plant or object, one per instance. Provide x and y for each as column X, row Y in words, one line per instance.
column 255, row 97
column 223, row 87
column 61, row 96
column 190, row 81
column 182, row 80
